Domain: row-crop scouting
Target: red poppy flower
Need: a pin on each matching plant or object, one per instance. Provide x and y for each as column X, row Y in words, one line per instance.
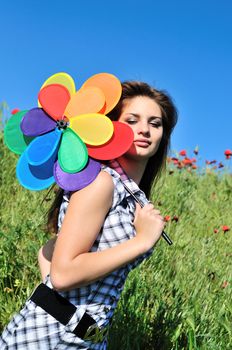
column 225, row 228
column 175, row 218
column 186, row 161
column 167, row 218
column 215, row 230
column 14, row 111
column 228, row 152
column 183, row 153
column 175, row 161
column 194, row 166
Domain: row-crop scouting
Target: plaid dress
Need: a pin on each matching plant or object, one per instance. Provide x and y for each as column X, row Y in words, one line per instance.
column 33, row 329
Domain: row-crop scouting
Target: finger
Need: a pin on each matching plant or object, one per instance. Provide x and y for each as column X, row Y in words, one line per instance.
column 137, row 210
column 161, row 218
column 137, row 207
column 156, row 211
column 148, row 206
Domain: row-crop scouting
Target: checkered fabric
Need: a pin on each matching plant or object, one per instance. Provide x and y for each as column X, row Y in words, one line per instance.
column 34, row 329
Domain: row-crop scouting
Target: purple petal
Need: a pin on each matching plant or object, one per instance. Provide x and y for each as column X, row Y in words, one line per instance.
column 76, row 181
column 36, row 122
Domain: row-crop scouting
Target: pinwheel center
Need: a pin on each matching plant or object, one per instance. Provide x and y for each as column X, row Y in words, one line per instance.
column 62, row 124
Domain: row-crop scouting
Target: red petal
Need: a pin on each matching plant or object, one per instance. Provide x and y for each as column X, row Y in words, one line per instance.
column 119, row 143
column 54, row 99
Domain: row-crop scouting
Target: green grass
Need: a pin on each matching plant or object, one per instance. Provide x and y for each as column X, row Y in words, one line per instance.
column 177, row 299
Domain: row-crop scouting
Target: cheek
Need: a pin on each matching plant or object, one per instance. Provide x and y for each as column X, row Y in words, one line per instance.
column 158, row 134
column 160, row 138
column 134, row 131
column 161, row 133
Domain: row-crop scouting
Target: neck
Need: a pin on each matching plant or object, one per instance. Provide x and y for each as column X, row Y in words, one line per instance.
column 133, row 168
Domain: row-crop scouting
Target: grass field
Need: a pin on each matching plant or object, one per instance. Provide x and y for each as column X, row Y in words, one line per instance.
column 181, row 298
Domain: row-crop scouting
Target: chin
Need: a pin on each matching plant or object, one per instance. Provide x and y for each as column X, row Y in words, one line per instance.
column 144, row 152
column 139, row 153
column 140, row 156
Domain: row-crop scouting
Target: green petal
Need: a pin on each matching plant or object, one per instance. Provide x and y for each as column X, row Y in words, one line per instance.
column 73, row 154
column 15, row 140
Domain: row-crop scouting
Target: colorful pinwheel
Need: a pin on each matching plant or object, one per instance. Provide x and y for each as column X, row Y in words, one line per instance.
column 57, row 139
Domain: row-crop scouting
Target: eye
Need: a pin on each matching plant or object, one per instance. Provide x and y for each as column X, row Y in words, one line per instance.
column 155, row 124
column 131, row 121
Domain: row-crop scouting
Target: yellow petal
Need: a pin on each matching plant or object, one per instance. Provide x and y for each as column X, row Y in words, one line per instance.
column 93, row 128
column 62, row 79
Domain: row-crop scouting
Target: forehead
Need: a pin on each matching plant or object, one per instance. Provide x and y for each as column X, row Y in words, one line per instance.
column 141, row 105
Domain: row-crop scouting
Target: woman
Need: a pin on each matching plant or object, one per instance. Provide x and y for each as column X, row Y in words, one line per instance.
column 103, row 234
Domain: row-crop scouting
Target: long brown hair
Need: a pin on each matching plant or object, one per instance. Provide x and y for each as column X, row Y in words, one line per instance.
column 156, row 163
column 53, row 212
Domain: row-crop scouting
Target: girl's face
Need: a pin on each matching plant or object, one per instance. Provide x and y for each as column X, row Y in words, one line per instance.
column 144, row 117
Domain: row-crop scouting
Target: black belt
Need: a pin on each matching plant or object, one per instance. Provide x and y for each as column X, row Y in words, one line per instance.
column 61, row 309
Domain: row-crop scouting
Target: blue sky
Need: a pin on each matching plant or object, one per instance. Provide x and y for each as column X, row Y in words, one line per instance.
column 183, row 47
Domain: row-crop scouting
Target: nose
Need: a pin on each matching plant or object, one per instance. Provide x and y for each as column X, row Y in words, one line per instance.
column 143, row 128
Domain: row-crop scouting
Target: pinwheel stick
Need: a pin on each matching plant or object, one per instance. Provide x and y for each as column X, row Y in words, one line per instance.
column 164, row 235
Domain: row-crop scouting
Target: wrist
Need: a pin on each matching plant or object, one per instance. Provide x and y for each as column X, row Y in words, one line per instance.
column 142, row 245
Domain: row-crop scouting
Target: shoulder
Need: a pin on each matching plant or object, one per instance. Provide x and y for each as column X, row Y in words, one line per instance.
column 107, row 187
column 104, row 179
column 100, row 191
column 102, row 182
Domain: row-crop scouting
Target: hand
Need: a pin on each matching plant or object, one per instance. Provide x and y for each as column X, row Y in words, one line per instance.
column 149, row 225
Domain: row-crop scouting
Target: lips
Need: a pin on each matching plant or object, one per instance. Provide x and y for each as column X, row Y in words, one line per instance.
column 142, row 143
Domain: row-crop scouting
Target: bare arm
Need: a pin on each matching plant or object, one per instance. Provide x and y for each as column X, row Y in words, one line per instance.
column 72, row 263
column 45, row 257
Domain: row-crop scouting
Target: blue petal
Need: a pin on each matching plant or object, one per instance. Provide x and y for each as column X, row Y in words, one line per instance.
column 43, row 148
column 35, row 178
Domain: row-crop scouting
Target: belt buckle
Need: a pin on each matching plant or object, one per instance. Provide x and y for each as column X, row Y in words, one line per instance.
column 99, row 334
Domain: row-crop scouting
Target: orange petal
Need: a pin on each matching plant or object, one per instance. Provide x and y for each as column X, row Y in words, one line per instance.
column 89, row 100
column 110, row 85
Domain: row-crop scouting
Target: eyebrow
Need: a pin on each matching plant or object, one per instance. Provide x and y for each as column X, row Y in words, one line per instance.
column 137, row 116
